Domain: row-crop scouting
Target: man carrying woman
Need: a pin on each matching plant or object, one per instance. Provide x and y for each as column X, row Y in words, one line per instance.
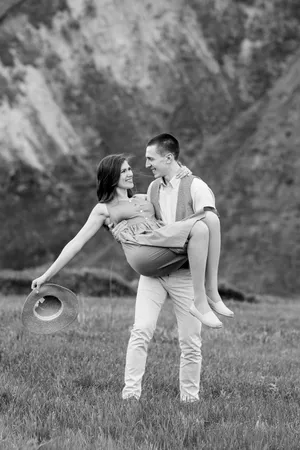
column 176, row 199
column 186, row 228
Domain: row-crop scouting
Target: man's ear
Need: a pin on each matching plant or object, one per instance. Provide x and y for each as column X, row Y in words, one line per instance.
column 170, row 157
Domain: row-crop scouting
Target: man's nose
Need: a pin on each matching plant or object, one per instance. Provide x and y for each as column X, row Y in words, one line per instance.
column 147, row 164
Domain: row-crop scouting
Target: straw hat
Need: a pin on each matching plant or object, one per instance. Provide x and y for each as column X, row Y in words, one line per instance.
column 51, row 309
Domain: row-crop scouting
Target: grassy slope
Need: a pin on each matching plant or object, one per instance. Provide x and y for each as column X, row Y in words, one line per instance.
column 63, row 391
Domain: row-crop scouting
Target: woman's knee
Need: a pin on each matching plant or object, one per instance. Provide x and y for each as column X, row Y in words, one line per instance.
column 200, row 230
column 211, row 219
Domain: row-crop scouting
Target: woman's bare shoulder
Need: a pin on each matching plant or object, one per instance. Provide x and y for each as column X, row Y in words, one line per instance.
column 100, row 209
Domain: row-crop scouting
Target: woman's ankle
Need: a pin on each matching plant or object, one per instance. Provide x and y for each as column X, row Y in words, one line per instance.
column 202, row 306
column 213, row 294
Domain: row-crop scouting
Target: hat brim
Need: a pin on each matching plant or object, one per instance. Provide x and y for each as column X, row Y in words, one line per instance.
column 39, row 319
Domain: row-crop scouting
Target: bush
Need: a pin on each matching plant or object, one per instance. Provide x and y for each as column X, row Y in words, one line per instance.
column 94, row 282
column 88, row 281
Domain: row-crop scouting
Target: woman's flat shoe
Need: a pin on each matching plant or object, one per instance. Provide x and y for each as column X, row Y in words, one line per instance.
column 209, row 319
column 220, row 308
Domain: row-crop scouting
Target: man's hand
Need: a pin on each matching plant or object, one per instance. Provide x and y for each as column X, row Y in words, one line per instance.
column 183, row 172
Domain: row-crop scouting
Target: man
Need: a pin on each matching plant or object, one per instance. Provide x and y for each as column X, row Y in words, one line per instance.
column 173, row 199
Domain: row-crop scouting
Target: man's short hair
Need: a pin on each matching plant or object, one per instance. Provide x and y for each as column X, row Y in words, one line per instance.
column 165, row 143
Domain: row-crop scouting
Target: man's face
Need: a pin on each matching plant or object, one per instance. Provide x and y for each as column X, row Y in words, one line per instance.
column 156, row 162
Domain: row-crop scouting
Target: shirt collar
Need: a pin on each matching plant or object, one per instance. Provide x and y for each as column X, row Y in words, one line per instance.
column 173, row 183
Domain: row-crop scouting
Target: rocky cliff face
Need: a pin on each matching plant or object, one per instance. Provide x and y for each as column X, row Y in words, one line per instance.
column 254, row 166
column 83, row 78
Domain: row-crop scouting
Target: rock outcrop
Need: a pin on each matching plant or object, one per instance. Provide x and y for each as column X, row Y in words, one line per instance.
column 83, row 78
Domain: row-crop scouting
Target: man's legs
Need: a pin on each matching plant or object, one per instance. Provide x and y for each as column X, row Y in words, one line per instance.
column 150, row 299
column 180, row 288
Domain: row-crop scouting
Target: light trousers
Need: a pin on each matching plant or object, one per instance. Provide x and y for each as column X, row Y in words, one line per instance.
column 151, row 295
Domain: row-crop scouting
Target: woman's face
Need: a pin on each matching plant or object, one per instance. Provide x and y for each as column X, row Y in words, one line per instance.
column 126, row 176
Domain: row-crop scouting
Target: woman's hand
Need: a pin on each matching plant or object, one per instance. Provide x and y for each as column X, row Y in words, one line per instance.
column 38, row 282
column 183, row 172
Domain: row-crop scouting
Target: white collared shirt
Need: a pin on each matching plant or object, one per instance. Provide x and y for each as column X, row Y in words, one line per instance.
column 201, row 194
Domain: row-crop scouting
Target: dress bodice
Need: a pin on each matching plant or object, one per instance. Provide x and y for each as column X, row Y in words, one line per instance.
column 139, row 215
column 134, row 210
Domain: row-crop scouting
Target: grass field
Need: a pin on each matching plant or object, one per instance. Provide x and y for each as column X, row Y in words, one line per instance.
column 63, row 391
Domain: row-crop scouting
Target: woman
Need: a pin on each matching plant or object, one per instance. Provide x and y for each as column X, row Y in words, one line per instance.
column 151, row 248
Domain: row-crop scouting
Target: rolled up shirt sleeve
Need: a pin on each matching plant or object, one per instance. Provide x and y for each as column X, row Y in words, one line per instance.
column 202, row 195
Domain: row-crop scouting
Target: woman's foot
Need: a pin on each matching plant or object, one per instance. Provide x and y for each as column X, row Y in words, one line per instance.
column 217, row 304
column 209, row 318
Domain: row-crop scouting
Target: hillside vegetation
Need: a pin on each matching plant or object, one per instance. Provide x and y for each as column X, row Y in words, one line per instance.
column 82, row 79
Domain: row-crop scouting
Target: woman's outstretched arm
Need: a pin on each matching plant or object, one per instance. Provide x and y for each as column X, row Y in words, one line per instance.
column 92, row 225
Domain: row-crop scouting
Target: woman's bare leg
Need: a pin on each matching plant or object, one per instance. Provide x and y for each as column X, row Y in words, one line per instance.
column 197, row 253
column 197, row 250
column 212, row 266
column 213, row 257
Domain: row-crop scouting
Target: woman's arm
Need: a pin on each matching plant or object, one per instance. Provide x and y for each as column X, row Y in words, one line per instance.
column 92, row 225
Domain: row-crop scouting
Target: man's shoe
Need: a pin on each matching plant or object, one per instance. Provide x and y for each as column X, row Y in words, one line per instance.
column 131, row 403
column 220, row 308
column 189, row 401
column 131, row 398
column 209, row 319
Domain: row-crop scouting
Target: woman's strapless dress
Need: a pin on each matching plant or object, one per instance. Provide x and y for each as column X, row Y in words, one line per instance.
column 151, row 248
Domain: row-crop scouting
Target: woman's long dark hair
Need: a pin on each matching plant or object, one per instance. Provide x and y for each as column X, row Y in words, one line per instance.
column 108, row 175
